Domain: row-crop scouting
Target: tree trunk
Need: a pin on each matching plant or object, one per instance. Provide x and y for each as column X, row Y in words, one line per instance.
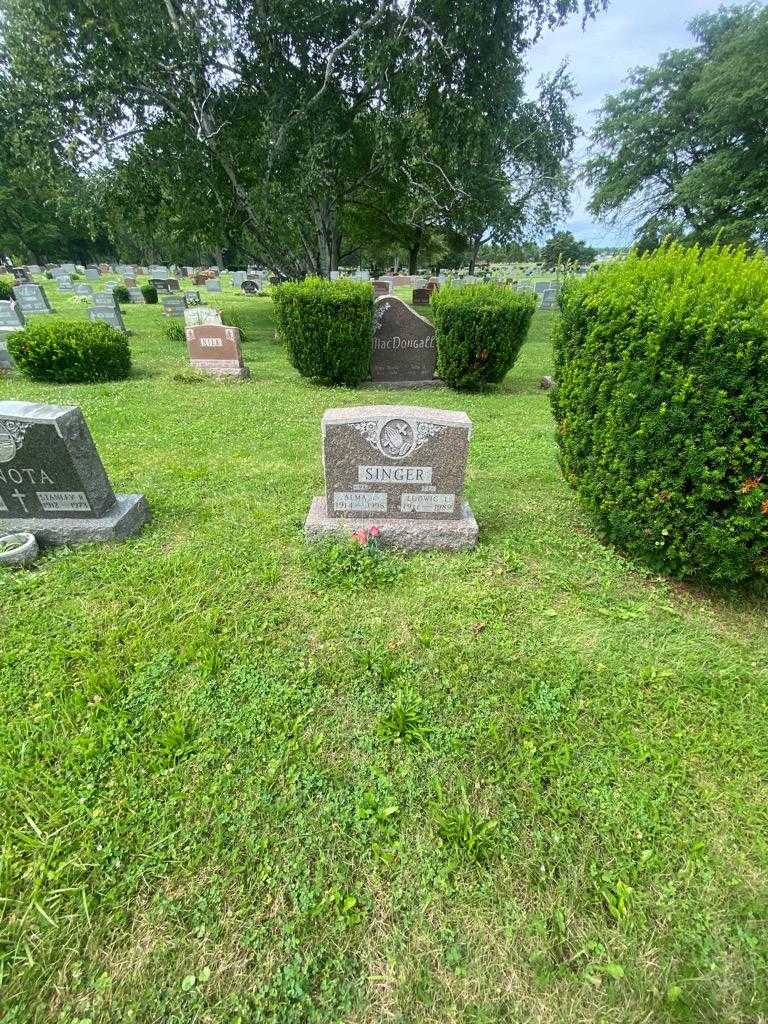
column 473, row 253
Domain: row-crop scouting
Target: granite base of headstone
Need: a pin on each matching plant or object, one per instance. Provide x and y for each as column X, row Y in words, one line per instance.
column 404, row 353
column 53, row 483
column 215, row 349
column 399, row 468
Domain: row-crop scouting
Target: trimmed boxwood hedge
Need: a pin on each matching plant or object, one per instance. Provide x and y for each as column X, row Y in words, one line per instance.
column 70, row 351
column 121, row 294
column 661, row 404
column 150, row 294
column 479, row 331
column 327, row 327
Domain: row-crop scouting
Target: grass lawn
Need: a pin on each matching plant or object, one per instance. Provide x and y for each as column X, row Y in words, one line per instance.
column 521, row 784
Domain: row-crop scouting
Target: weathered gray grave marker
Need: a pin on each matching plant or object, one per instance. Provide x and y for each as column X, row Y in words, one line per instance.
column 202, row 315
column 53, row 483
column 31, row 299
column 399, row 468
column 137, row 296
column 109, row 314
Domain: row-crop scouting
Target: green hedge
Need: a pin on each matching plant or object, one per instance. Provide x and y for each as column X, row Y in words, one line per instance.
column 661, row 403
column 150, row 294
column 121, row 294
column 479, row 330
column 70, row 351
column 327, row 327
column 6, row 288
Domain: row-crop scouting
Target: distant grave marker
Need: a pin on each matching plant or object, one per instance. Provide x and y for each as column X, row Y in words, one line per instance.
column 108, row 314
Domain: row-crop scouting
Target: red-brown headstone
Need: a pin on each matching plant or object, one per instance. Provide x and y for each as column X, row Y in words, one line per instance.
column 215, row 349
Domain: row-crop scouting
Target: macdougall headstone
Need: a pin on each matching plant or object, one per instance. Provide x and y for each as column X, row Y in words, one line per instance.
column 53, row 483
column 109, row 314
column 137, row 295
column 215, row 349
column 201, row 315
column 400, row 468
column 31, row 299
column 404, row 351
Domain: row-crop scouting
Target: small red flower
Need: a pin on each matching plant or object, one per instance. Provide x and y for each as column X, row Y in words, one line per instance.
column 374, row 531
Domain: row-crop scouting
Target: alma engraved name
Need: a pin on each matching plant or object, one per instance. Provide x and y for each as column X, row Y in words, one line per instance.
column 394, row 474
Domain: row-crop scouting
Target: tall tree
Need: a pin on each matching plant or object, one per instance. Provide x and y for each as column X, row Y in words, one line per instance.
column 563, row 247
column 685, row 147
column 290, row 102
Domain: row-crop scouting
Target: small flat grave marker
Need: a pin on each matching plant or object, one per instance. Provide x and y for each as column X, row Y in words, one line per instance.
column 53, row 483
column 400, row 468
column 83, row 289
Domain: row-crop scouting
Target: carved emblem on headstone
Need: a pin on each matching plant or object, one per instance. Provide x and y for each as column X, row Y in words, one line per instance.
column 11, row 439
column 397, row 438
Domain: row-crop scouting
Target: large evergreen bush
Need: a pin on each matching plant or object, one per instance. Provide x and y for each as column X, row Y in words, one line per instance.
column 480, row 330
column 661, row 404
column 327, row 327
column 70, row 351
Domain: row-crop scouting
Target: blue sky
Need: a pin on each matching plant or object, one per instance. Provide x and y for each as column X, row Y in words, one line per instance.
column 630, row 33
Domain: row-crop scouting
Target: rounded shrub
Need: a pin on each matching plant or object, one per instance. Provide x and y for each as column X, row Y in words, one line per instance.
column 479, row 331
column 6, row 289
column 661, row 402
column 121, row 294
column 327, row 327
column 150, row 294
column 70, row 351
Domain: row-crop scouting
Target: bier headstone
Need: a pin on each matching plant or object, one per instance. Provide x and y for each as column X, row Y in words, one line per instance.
column 399, row 468
column 215, row 349
column 53, row 483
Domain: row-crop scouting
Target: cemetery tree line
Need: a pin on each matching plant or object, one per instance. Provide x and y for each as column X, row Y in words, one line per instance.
column 296, row 132
column 683, row 152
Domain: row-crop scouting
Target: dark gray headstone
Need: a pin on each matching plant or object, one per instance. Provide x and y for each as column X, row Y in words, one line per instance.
column 404, row 351
column 109, row 314
column 52, row 481
column 161, row 284
column 31, row 298
column 251, row 287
